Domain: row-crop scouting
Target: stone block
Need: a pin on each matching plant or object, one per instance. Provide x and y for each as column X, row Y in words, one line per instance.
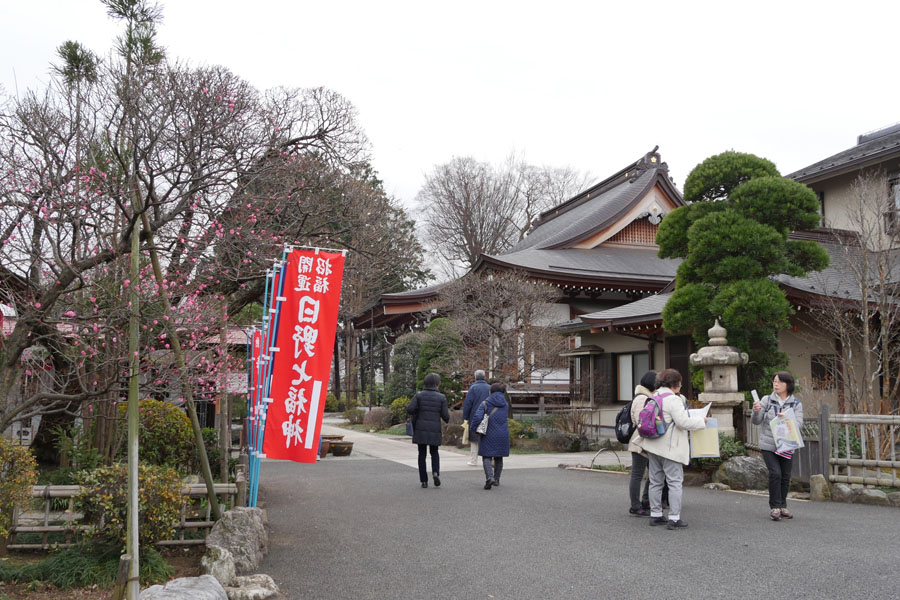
column 819, row 488
column 219, row 563
column 841, row 492
column 870, row 496
column 242, row 532
column 743, row 473
column 252, row 587
column 205, row 587
column 894, row 497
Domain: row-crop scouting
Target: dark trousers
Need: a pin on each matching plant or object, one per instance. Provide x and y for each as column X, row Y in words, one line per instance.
column 435, row 461
column 492, row 471
column 779, row 478
column 639, row 464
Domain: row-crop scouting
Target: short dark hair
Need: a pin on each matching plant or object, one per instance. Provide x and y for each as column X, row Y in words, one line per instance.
column 668, row 378
column 787, row 379
column 498, row 387
column 432, row 380
column 649, row 380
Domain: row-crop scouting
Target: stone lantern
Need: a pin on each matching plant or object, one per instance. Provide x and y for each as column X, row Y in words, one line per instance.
column 720, row 381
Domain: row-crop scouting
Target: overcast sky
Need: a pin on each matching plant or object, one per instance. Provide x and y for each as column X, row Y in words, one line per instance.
column 590, row 85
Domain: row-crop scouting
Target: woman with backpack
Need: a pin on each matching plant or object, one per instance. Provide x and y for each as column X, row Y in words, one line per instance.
column 670, row 450
column 779, row 465
column 494, row 444
column 640, row 503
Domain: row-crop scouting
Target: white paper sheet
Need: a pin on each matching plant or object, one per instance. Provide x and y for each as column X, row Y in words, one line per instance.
column 699, row 412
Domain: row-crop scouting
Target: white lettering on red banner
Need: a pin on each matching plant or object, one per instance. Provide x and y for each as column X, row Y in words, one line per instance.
column 306, row 326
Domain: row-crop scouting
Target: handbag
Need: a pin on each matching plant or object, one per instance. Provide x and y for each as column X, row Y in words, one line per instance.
column 409, row 427
column 482, row 427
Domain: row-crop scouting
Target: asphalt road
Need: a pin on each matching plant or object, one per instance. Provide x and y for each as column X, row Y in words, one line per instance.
column 361, row 527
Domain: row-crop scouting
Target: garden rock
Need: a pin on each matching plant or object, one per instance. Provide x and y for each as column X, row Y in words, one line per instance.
column 743, row 473
column 894, row 497
column 205, row 587
column 876, row 497
column 841, row 492
column 242, row 532
column 219, row 563
column 252, row 587
column 716, row 486
column 819, row 489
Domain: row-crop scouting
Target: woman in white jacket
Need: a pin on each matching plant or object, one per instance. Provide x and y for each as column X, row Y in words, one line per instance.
column 671, row 451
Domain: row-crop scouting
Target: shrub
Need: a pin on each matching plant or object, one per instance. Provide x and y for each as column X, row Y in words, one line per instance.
column 379, row 418
column 165, row 435
column 354, row 415
column 515, row 429
column 18, row 472
column 213, row 451
column 331, row 402
column 729, row 447
column 104, row 502
column 86, row 566
column 398, row 409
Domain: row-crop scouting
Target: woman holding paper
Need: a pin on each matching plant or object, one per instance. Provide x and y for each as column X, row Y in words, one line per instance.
column 780, row 403
column 670, row 452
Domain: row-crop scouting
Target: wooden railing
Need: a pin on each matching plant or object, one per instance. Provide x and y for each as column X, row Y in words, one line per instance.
column 50, row 521
column 845, row 448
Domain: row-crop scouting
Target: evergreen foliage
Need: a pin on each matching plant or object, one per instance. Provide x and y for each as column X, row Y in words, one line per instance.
column 164, row 435
column 404, row 362
column 18, row 472
column 440, row 354
column 733, row 237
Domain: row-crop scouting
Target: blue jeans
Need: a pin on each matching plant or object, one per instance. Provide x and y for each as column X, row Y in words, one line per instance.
column 492, row 471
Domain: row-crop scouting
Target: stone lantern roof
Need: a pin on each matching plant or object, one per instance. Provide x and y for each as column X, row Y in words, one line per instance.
column 718, row 352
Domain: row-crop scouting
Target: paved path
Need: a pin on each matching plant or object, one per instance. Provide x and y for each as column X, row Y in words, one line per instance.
column 361, row 527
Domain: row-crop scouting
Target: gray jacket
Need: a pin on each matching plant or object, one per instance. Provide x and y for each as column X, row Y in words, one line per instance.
column 769, row 411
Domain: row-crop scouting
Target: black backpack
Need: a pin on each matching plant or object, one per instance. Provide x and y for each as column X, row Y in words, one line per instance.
column 624, row 425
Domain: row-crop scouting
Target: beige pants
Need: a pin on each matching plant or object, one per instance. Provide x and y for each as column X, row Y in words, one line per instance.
column 473, row 451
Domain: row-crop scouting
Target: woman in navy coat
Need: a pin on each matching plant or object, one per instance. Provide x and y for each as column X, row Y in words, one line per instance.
column 495, row 442
column 427, row 409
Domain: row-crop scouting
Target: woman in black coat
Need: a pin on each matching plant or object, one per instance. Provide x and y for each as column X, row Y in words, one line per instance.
column 426, row 409
column 495, row 442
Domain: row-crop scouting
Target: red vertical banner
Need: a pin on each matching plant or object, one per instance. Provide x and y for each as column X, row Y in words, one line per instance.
column 307, row 321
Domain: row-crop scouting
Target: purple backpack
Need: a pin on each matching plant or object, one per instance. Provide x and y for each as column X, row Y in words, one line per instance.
column 651, row 423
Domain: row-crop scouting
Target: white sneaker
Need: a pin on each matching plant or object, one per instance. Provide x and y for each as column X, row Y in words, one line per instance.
column 473, row 462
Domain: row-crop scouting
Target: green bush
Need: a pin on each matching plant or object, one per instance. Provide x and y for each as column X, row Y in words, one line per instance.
column 515, row 429
column 165, row 435
column 729, row 446
column 104, row 502
column 331, row 402
column 19, row 472
column 86, row 566
column 398, row 409
column 379, row 418
column 354, row 415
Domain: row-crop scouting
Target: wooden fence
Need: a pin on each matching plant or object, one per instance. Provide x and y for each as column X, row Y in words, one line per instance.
column 845, row 448
column 61, row 524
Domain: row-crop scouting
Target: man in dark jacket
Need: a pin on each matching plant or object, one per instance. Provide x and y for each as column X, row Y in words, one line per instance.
column 427, row 408
column 478, row 391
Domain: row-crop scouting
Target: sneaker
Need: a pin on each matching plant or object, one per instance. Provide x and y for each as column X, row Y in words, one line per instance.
column 488, row 484
column 654, row 521
column 639, row 512
column 775, row 513
column 473, row 462
column 786, row 514
column 424, row 484
column 679, row 524
column 496, row 483
column 437, row 480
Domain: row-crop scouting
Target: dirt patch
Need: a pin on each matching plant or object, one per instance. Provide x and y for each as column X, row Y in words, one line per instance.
column 186, row 562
